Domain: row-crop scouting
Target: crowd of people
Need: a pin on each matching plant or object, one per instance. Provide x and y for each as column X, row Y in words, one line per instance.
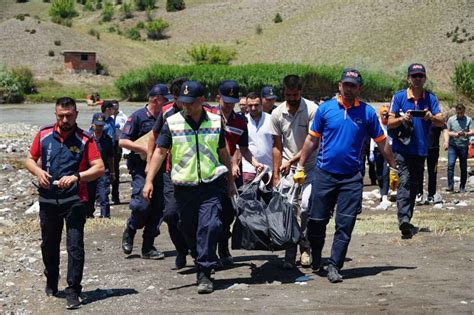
column 187, row 160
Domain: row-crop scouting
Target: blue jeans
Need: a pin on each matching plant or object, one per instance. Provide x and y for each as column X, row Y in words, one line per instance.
column 455, row 152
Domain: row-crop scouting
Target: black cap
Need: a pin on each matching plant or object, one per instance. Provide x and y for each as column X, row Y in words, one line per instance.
column 98, row 119
column 351, row 75
column 229, row 91
column 268, row 92
column 415, row 68
column 160, row 89
column 190, row 91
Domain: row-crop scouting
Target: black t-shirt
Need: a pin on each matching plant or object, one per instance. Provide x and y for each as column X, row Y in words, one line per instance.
column 433, row 136
column 164, row 140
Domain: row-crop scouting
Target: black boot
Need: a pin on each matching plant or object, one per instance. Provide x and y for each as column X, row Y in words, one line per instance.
column 127, row 240
column 204, row 282
column 224, row 254
column 149, row 251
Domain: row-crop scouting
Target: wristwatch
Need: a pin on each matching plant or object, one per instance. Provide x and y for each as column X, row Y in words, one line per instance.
column 78, row 176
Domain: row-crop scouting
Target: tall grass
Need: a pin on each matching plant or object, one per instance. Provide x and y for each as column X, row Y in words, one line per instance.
column 319, row 81
column 463, row 79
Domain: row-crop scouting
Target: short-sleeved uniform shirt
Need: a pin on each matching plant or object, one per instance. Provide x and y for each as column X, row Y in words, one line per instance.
column 404, row 101
column 91, row 153
column 343, row 131
column 456, row 124
column 106, row 148
column 293, row 129
column 138, row 124
column 165, row 139
column 236, row 132
column 260, row 142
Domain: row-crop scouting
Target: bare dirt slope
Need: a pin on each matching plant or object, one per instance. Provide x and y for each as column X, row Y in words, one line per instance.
column 377, row 35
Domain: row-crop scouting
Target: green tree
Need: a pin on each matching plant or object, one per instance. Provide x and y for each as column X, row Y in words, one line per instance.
column 127, row 12
column 142, row 5
column 107, row 11
column 155, row 29
column 62, row 11
column 175, row 5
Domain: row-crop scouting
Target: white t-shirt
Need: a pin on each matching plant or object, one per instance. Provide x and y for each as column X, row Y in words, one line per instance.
column 260, row 142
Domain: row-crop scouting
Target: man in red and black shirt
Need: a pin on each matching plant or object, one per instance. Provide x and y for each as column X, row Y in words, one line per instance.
column 66, row 152
column 236, row 134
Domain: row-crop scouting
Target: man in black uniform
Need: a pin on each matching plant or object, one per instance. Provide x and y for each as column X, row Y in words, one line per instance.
column 145, row 214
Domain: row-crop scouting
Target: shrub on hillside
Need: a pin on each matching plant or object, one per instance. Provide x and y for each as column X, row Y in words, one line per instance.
column 94, row 32
column 175, row 5
column 278, row 18
column 89, row 6
column 140, row 25
column 98, row 4
column 127, row 11
column 102, row 68
column 258, row 29
column 21, row 16
column 155, row 29
column 107, row 11
column 21, row 1
column 206, row 55
column 62, row 11
column 463, row 79
column 142, row 5
column 57, row 42
column 51, row 53
column 10, row 89
column 319, row 81
column 133, row 33
column 24, row 77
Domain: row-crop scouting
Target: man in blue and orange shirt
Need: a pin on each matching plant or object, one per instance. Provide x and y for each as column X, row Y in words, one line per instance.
column 339, row 128
column 69, row 158
column 412, row 151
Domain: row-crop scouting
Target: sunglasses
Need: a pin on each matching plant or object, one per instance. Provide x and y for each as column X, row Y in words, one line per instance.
column 418, row 76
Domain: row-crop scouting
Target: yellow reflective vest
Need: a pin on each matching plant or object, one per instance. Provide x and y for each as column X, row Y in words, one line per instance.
column 194, row 155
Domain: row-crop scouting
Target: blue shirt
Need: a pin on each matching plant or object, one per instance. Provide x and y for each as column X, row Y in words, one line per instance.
column 403, row 101
column 109, row 128
column 138, row 124
column 343, row 131
column 106, row 148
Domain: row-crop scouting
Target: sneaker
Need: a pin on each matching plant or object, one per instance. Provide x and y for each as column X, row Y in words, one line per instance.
column 127, row 240
column 153, row 253
column 462, row 190
column 50, row 291
column 72, row 301
column 430, row 200
column 450, row 189
column 204, row 283
column 180, row 261
column 419, row 200
column 306, row 259
column 333, row 274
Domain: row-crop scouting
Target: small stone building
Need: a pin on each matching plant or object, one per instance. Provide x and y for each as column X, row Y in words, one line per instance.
column 79, row 61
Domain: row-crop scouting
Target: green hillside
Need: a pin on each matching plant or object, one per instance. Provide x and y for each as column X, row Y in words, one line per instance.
column 380, row 36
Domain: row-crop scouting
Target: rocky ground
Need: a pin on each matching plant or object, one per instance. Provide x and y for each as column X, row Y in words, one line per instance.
column 430, row 273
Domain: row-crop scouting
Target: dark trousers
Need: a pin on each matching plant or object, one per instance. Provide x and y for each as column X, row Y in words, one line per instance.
column 329, row 189
column 455, row 152
column 171, row 217
column 52, row 219
column 146, row 215
column 382, row 171
column 99, row 189
column 227, row 216
column 410, row 177
column 432, row 161
column 372, row 172
column 199, row 210
column 116, row 181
